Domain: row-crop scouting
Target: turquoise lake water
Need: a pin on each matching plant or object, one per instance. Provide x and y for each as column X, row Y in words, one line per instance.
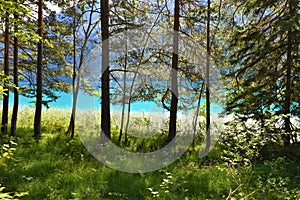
column 89, row 102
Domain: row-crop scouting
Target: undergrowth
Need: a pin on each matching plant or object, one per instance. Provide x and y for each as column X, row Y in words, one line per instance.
column 58, row 167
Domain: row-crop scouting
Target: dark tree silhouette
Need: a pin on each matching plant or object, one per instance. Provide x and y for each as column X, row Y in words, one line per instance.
column 105, row 98
column 174, row 74
column 71, row 128
column 6, row 73
column 14, row 117
column 39, row 76
column 207, row 78
column 287, row 102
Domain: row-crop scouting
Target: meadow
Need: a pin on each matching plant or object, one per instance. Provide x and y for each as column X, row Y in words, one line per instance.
column 59, row 167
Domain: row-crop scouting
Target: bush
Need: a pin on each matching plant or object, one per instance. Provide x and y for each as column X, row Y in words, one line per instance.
column 243, row 140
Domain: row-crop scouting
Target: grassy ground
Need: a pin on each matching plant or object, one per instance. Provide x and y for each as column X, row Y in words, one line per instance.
column 57, row 167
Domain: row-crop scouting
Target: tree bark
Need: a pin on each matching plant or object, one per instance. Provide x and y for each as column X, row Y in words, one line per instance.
column 207, row 143
column 124, row 92
column 105, row 98
column 6, row 73
column 14, row 118
column 71, row 128
column 39, row 75
column 174, row 74
column 287, row 102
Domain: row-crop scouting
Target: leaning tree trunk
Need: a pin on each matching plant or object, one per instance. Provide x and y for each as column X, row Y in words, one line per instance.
column 105, row 98
column 6, row 73
column 39, row 75
column 16, row 83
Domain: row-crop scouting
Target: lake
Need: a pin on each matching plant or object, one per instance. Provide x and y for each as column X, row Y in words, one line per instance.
column 89, row 102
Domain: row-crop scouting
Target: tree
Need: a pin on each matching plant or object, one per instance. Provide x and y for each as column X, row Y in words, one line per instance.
column 6, row 74
column 16, row 82
column 174, row 87
column 264, row 51
column 292, row 11
column 71, row 127
column 39, row 75
column 127, row 16
column 83, row 21
column 208, row 78
column 22, row 31
column 54, row 77
column 105, row 98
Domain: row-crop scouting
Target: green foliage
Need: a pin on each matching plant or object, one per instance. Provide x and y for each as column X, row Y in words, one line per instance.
column 8, row 195
column 261, row 49
column 56, row 48
column 5, row 81
column 276, row 182
column 6, row 152
column 273, row 179
column 164, row 187
column 58, row 167
column 3, row 91
column 7, row 149
column 245, row 145
column 243, row 139
column 257, row 46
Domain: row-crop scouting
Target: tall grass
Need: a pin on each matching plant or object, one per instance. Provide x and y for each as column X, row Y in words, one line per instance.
column 58, row 167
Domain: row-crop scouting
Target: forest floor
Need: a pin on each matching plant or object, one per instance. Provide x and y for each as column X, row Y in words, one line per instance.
column 58, row 167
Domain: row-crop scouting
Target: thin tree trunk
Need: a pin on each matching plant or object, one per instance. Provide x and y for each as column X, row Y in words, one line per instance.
column 287, row 102
column 195, row 121
column 174, row 100
column 207, row 143
column 76, row 91
column 124, row 90
column 39, row 77
column 14, row 117
column 74, row 106
column 135, row 75
column 105, row 108
column 76, row 84
column 71, row 128
column 6, row 73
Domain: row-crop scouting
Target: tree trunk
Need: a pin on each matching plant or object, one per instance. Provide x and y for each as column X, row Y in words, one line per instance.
column 6, row 73
column 74, row 106
column 14, row 117
column 195, row 121
column 174, row 100
column 39, row 75
column 287, row 102
column 105, row 98
column 124, row 94
column 207, row 143
column 71, row 128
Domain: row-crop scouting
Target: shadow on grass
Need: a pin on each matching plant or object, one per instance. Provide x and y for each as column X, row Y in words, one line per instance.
column 57, row 167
